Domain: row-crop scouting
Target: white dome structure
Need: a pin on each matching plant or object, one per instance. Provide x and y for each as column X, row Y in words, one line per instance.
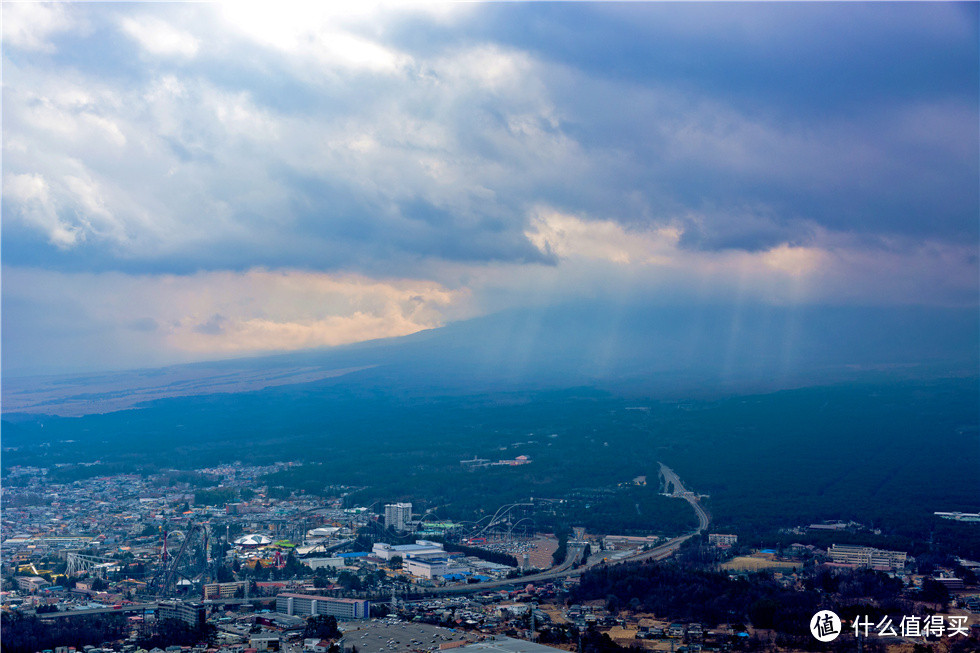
column 253, row 540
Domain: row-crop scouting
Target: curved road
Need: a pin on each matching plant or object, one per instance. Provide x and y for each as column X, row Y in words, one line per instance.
column 659, row 552
column 670, row 477
column 564, row 570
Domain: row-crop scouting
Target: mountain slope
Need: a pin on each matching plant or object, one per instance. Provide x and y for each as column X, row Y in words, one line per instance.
column 667, row 351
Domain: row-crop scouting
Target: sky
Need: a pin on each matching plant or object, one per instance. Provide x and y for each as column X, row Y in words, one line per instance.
column 195, row 181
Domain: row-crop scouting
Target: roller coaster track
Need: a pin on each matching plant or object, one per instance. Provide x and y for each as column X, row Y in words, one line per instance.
column 166, row 579
column 78, row 562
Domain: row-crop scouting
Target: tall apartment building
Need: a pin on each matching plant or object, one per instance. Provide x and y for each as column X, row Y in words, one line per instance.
column 192, row 614
column 866, row 556
column 398, row 516
column 309, row 604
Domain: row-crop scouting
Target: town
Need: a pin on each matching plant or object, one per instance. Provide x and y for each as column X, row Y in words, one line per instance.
column 170, row 562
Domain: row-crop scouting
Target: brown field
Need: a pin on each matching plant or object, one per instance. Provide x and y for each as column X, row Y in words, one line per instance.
column 540, row 557
column 750, row 563
column 554, row 612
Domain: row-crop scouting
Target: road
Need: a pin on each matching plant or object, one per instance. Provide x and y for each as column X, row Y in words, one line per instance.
column 671, row 478
column 564, row 570
column 134, row 607
column 659, row 552
column 140, row 607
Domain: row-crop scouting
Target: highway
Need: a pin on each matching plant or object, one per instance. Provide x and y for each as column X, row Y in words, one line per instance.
column 670, row 477
column 562, row 570
column 658, row 552
column 565, row 570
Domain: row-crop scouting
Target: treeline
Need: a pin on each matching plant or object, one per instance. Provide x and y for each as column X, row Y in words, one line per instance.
column 632, row 511
column 322, row 627
column 176, row 632
column 703, row 596
column 561, row 552
column 25, row 633
column 764, row 460
column 490, row 556
column 216, row 496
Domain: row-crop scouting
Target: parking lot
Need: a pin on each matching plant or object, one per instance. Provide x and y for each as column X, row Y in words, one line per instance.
column 387, row 636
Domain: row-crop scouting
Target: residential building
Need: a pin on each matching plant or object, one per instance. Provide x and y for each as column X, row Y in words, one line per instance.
column 193, row 614
column 223, row 590
column 309, row 604
column 866, row 556
column 398, row 516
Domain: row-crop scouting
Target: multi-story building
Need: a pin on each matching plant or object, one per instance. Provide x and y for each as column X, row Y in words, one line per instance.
column 31, row 583
column 309, row 604
column 192, row 614
column 223, row 590
column 724, row 539
column 866, row 556
column 398, row 516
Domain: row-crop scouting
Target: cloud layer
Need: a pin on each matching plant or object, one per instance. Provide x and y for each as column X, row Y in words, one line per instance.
column 471, row 153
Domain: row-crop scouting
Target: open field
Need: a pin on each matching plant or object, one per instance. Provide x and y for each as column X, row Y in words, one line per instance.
column 753, row 563
column 540, row 556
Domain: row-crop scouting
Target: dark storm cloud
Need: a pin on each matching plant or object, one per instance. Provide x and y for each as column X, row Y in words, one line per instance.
column 493, row 155
column 751, row 124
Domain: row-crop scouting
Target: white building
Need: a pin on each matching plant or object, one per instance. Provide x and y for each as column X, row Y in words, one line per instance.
column 398, row 516
column 253, row 541
column 325, row 563
column 322, row 533
column 430, row 568
column 866, row 556
column 421, row 548
column 308, row 604
column 31, row 583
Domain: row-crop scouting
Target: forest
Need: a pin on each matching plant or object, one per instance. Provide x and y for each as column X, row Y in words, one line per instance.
column 886, row 455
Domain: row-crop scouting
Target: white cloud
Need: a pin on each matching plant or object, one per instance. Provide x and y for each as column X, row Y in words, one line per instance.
column 29, row 25
column 316, row 33
column 568, row 236
column 595, row 255
column 158, row 37
column 33, row 194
